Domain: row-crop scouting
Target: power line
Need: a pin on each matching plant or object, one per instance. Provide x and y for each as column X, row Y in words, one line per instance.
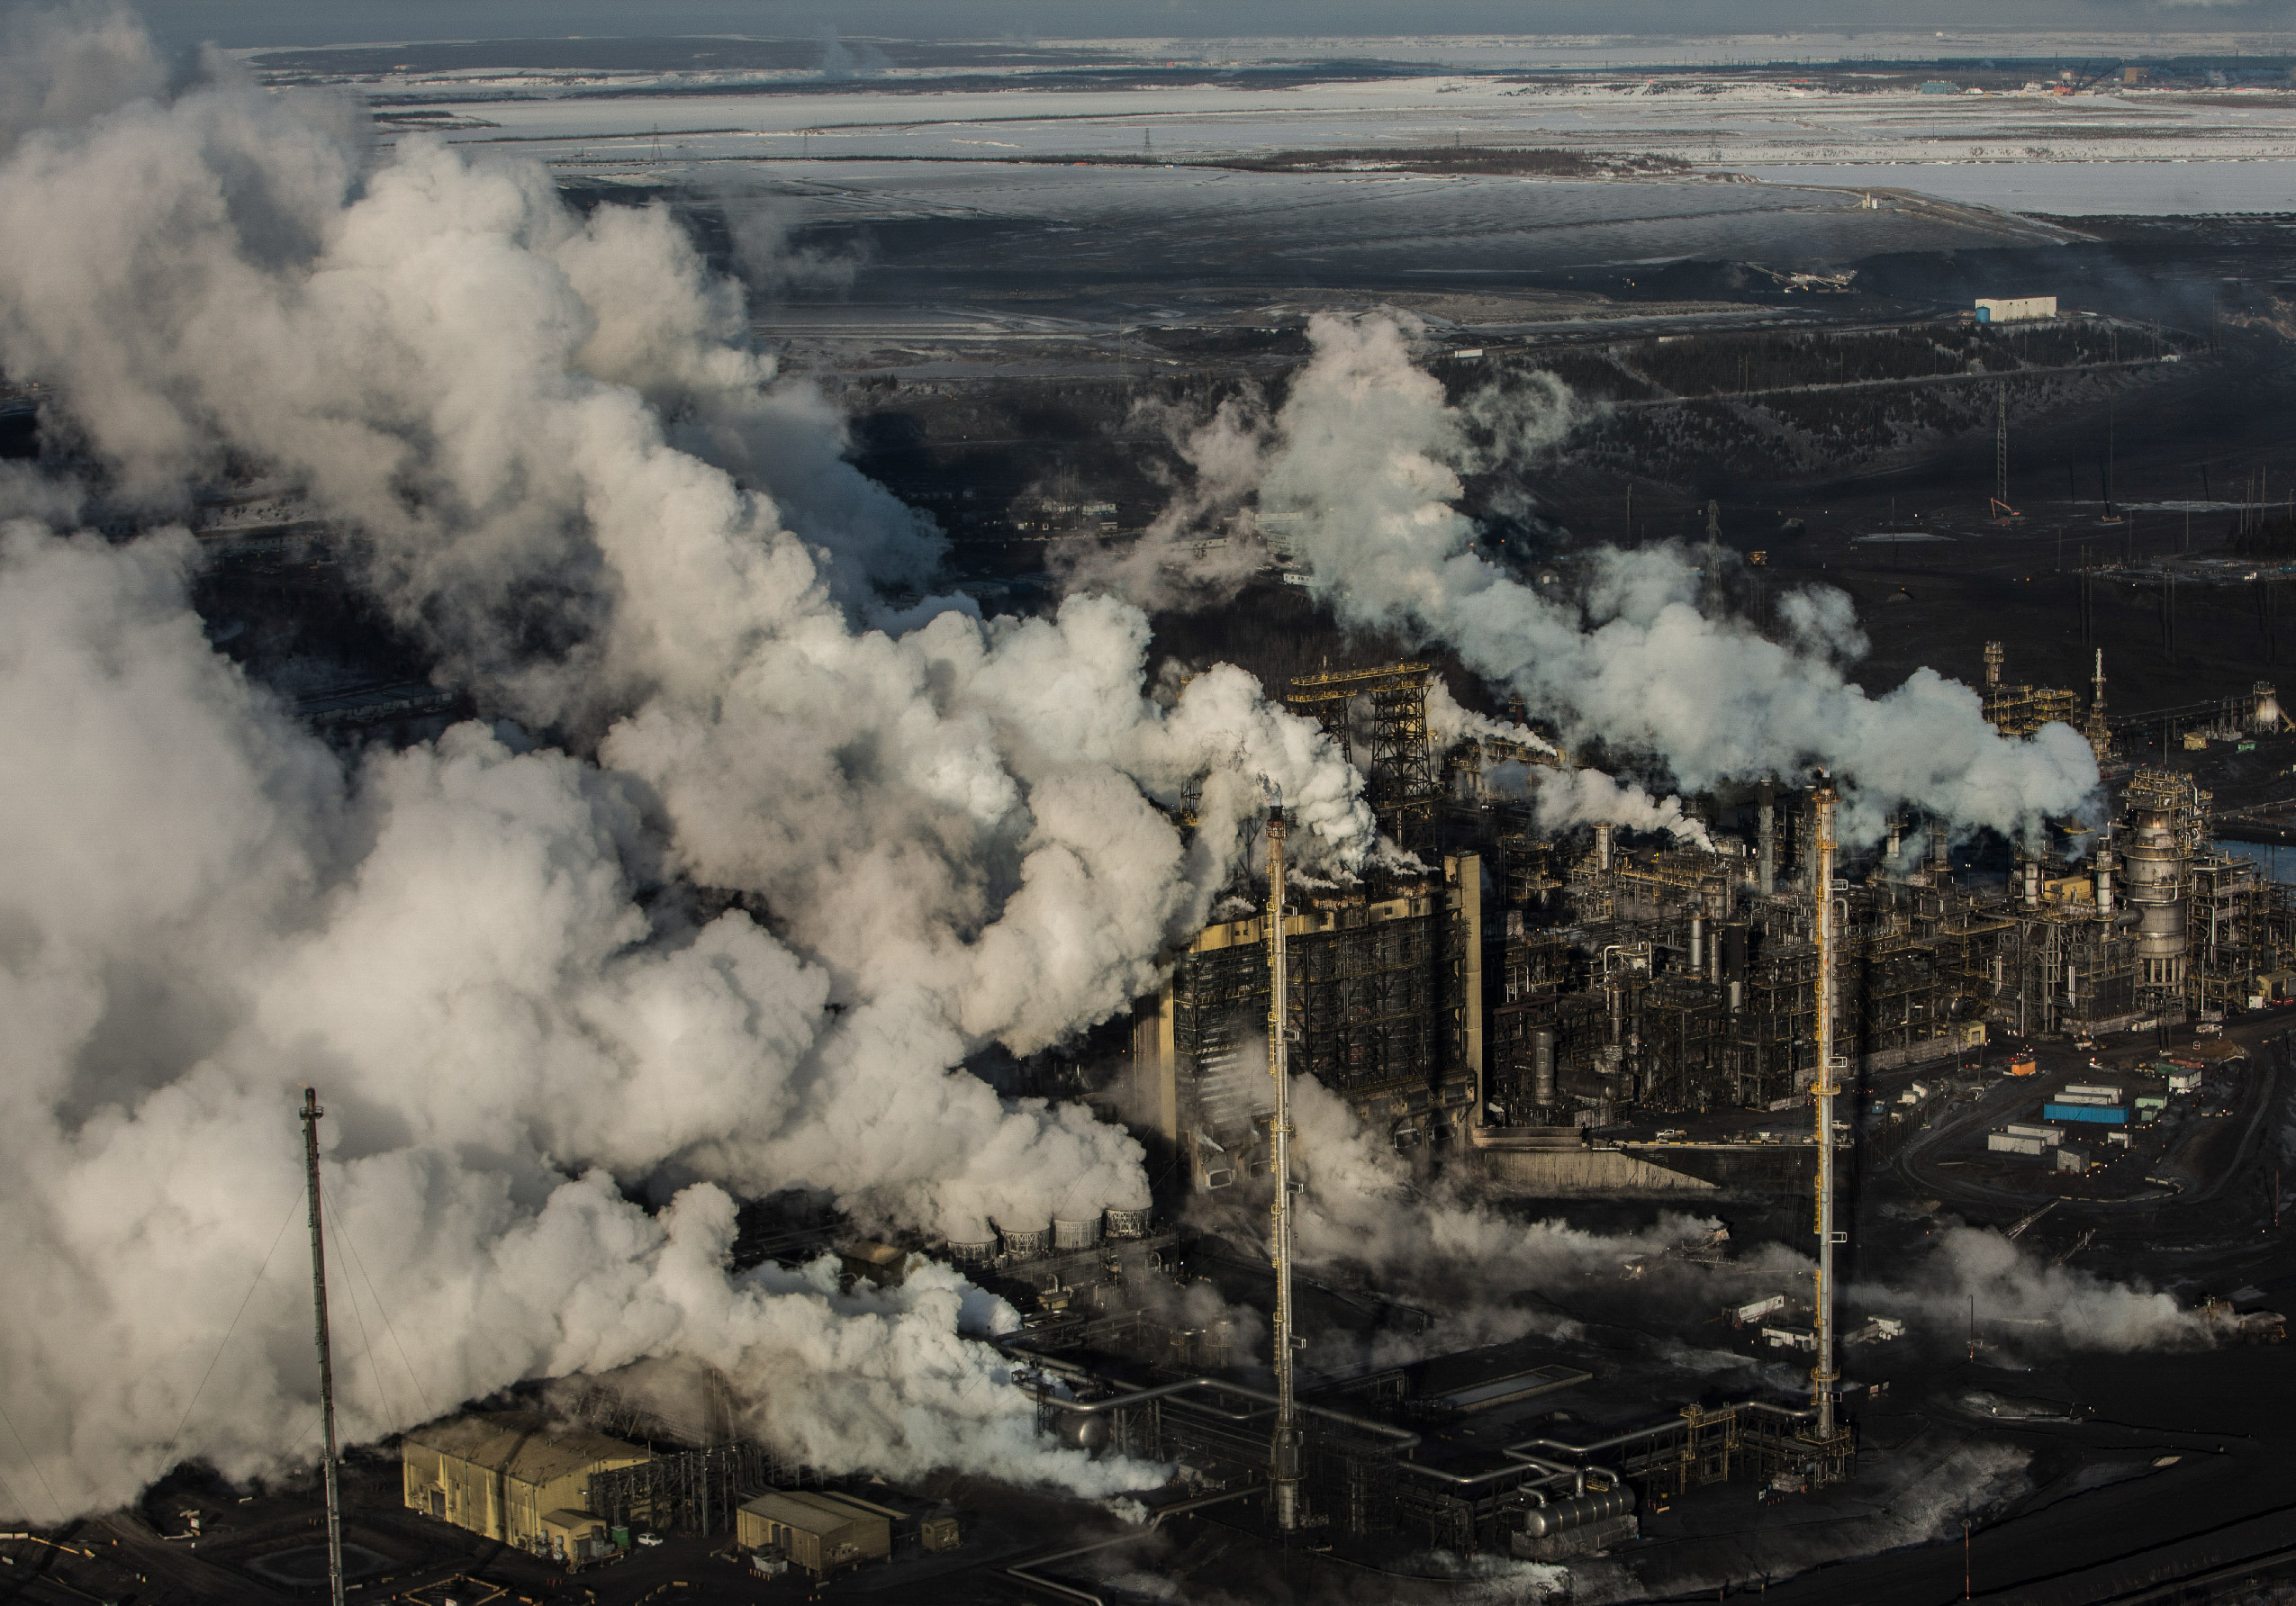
column 367, row 1349
column 32, row 1463
column 14, row 1499
column 178, row 1436
column 342, row 1235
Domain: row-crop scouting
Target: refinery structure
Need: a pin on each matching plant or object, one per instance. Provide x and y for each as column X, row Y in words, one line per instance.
column 1526, row 986
column 1511, row 1008
column 1503, row 1007
column 977, row 936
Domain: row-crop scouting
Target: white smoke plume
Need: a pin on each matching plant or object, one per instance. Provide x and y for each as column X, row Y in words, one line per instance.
column 1450, row 721
column 1369, row 1216
column 1366, row 453
column 487, row 952
column 1202, row 546
column 1567, row 797
column 1976, row 1274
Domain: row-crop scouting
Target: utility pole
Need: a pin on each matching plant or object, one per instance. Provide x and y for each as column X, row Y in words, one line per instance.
column 1283, row 1471
column 311, row 1115
column 2001, row 443
column 1823, row 1376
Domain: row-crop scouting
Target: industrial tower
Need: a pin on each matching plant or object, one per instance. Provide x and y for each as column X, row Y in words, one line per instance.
column 1283, row 1468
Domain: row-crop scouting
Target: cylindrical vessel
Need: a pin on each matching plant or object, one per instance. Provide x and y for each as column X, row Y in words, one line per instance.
column 2153, row 875
column 1127, row 1223
column 1021, row 1242
column 1081, row 1432
column 1697, row 944
column 1544, row 1522
column 1542, row 1065
column 1602, row 847
column 1075, row 1231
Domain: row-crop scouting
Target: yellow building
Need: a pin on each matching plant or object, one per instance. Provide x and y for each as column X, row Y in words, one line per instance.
column 820, row 1532
column 512, row 1476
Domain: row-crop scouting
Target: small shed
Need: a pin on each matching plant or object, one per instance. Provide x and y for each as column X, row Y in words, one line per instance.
column 819, row 1533
column 574, row 1537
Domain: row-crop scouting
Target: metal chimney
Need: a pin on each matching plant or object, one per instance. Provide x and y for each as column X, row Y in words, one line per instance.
column 1823, row 1376
column 1769, row 880
column 311, row 1115
column 1283, row 1465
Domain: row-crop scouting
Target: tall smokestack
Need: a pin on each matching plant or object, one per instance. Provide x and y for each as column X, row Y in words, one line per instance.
column 1283, row 1468
column 1770, row 838
column 1823, row 1376
column 311, row 1115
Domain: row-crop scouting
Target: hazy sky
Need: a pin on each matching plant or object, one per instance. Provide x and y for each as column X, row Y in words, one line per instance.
column 244, row 23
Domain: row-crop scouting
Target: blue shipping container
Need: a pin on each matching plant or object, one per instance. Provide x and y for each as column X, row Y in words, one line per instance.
column 2108, row 1115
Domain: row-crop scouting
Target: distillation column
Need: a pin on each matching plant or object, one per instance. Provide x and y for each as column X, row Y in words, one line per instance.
column 1823, row 1376
column 1283, row 1471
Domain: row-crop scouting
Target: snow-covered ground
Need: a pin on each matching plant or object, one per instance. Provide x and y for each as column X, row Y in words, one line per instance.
column 2171, row 187
column 2135, row 150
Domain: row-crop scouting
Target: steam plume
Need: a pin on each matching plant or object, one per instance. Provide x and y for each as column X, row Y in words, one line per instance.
column 1367, row 453
column 489, row 952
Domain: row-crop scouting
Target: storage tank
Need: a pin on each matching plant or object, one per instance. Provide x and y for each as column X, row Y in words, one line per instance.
column 1020, row 1242
column 1082, row 1433
column 1075, row 1231
column 1127, row 1223
column 1542, row 1065
column 1544, row 1522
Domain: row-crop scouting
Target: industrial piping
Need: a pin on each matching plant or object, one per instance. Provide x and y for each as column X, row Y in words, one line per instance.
column 1024, row 1571
column 1404, row 1436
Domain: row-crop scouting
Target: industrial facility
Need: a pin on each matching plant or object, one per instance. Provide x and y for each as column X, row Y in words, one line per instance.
column 515, row 1478
column 1530, row 983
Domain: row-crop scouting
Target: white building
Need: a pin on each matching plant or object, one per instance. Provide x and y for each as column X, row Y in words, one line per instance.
column 2016, row 308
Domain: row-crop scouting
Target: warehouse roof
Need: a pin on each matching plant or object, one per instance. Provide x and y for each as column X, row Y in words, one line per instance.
column 522, row 1446
column 805, row 1513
